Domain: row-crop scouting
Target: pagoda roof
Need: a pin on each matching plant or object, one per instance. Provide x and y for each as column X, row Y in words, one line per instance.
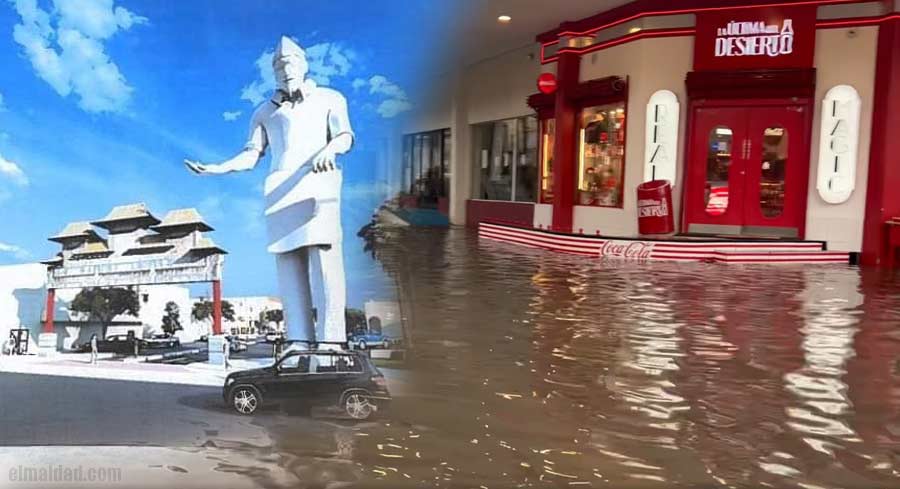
column 138, row 214
column 182, row 218
column 78, row 229
column 56, row 260
column 92, row 248
column 206, row 245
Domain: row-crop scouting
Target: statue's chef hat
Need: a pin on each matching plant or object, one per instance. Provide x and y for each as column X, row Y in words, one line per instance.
column 287, row 47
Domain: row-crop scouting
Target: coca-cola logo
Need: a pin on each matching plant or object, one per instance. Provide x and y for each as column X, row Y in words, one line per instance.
column 633, row 250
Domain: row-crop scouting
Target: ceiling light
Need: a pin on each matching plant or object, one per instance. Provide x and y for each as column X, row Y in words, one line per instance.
column 504, row 19
column 633, row 30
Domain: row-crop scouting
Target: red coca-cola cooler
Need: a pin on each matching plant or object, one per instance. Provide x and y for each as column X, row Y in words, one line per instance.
column 654, row 201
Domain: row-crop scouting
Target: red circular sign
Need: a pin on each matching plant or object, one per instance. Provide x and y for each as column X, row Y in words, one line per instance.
column 546, row 83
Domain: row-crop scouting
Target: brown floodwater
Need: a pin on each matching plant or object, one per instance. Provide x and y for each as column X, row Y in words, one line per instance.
column 530, row 368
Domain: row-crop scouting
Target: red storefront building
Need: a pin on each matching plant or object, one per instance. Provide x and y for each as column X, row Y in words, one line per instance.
column 771, row 120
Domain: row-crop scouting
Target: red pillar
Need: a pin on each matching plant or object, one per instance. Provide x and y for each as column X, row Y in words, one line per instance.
column 882, row 198
column 217, row 306
column 564, row 147
column 48, row 311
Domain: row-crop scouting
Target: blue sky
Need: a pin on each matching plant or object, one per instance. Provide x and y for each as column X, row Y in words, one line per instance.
column 100, row 100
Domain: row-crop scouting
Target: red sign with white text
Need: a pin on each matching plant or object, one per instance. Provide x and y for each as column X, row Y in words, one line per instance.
column 755, row 38
column 546, row 83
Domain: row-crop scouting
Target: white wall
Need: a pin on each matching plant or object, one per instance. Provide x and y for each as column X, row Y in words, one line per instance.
column 651, row 65
column 499, row 87
column 22, row 298
column 842, row 60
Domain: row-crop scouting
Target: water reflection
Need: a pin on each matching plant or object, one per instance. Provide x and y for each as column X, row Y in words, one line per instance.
column 533, row 368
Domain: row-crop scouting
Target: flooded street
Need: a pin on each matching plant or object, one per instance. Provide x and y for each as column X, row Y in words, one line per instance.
column 533, row 368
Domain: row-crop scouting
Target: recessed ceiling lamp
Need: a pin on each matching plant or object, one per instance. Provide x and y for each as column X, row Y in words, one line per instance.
column 634, row 29
column 504, row 19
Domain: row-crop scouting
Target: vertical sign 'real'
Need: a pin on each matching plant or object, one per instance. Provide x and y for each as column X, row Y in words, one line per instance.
column 661, row 137
column 755, row 38
column 838, row 142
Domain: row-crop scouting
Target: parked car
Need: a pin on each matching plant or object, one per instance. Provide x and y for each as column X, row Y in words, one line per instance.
column 121, row 344
column 235, row 344
column 162, row 340
column 272, row 336
column 364, row 341
column 347, row 380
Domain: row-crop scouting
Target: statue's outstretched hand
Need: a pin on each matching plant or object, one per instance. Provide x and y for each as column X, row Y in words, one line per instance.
column 196, row 167
column 324, row 161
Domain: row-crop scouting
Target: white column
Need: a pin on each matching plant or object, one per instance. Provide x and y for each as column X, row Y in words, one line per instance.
column 460, row 151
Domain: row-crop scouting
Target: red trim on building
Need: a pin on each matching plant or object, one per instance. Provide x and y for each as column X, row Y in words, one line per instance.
column 773, row 252
column 518, row 213
column 645, row 8
column 564, row 147
column 882, row 197
column 690, row 31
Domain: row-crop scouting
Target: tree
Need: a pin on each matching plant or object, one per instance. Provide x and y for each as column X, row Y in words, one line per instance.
column 171, row 321
column 273, row 316
column 203, row 310
column 103, row 305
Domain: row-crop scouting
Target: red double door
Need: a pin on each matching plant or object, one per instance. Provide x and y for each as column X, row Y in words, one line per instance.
column 747, row 170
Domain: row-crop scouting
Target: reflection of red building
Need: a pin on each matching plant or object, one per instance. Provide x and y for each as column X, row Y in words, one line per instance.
column 785, row 107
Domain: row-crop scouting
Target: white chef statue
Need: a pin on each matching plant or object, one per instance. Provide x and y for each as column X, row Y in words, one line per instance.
column 303, row 127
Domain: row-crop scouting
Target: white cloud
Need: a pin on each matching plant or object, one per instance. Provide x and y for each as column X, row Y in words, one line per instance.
column 13, row 172
column 71, row 56
column 326, row 60
column 16, row 251
column 231, row 115
column 258, row 89
column 396, row 101
column 393, row 107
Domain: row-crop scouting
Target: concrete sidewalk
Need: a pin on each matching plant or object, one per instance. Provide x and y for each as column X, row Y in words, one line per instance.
column 200, row 373
column 78, row 365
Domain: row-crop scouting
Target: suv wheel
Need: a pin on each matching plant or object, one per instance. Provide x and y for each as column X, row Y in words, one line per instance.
column 358, row 406
column 363, row 345
column 245, row 399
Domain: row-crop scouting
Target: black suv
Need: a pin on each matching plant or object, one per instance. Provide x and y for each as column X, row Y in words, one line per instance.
column 347, row 380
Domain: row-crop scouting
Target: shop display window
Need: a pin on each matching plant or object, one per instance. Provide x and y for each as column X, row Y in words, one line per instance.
column 601, row 157
column 548, row 134
column 505, row 159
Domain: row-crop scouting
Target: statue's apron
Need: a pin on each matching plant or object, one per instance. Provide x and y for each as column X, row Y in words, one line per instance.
column 303, row 208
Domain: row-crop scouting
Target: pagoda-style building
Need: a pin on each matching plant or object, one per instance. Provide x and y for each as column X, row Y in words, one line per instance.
column 130, row 246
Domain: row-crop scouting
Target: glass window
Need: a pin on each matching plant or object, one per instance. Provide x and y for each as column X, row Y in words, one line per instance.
column 718, row 164
column 505, row 159
column 296, row 364
column 526, row 160
column 445, row 163
column 601, row 169
column 426, row 161
column 348, row 363
column 774, row 157
column 407, row 164
column 548, row 135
